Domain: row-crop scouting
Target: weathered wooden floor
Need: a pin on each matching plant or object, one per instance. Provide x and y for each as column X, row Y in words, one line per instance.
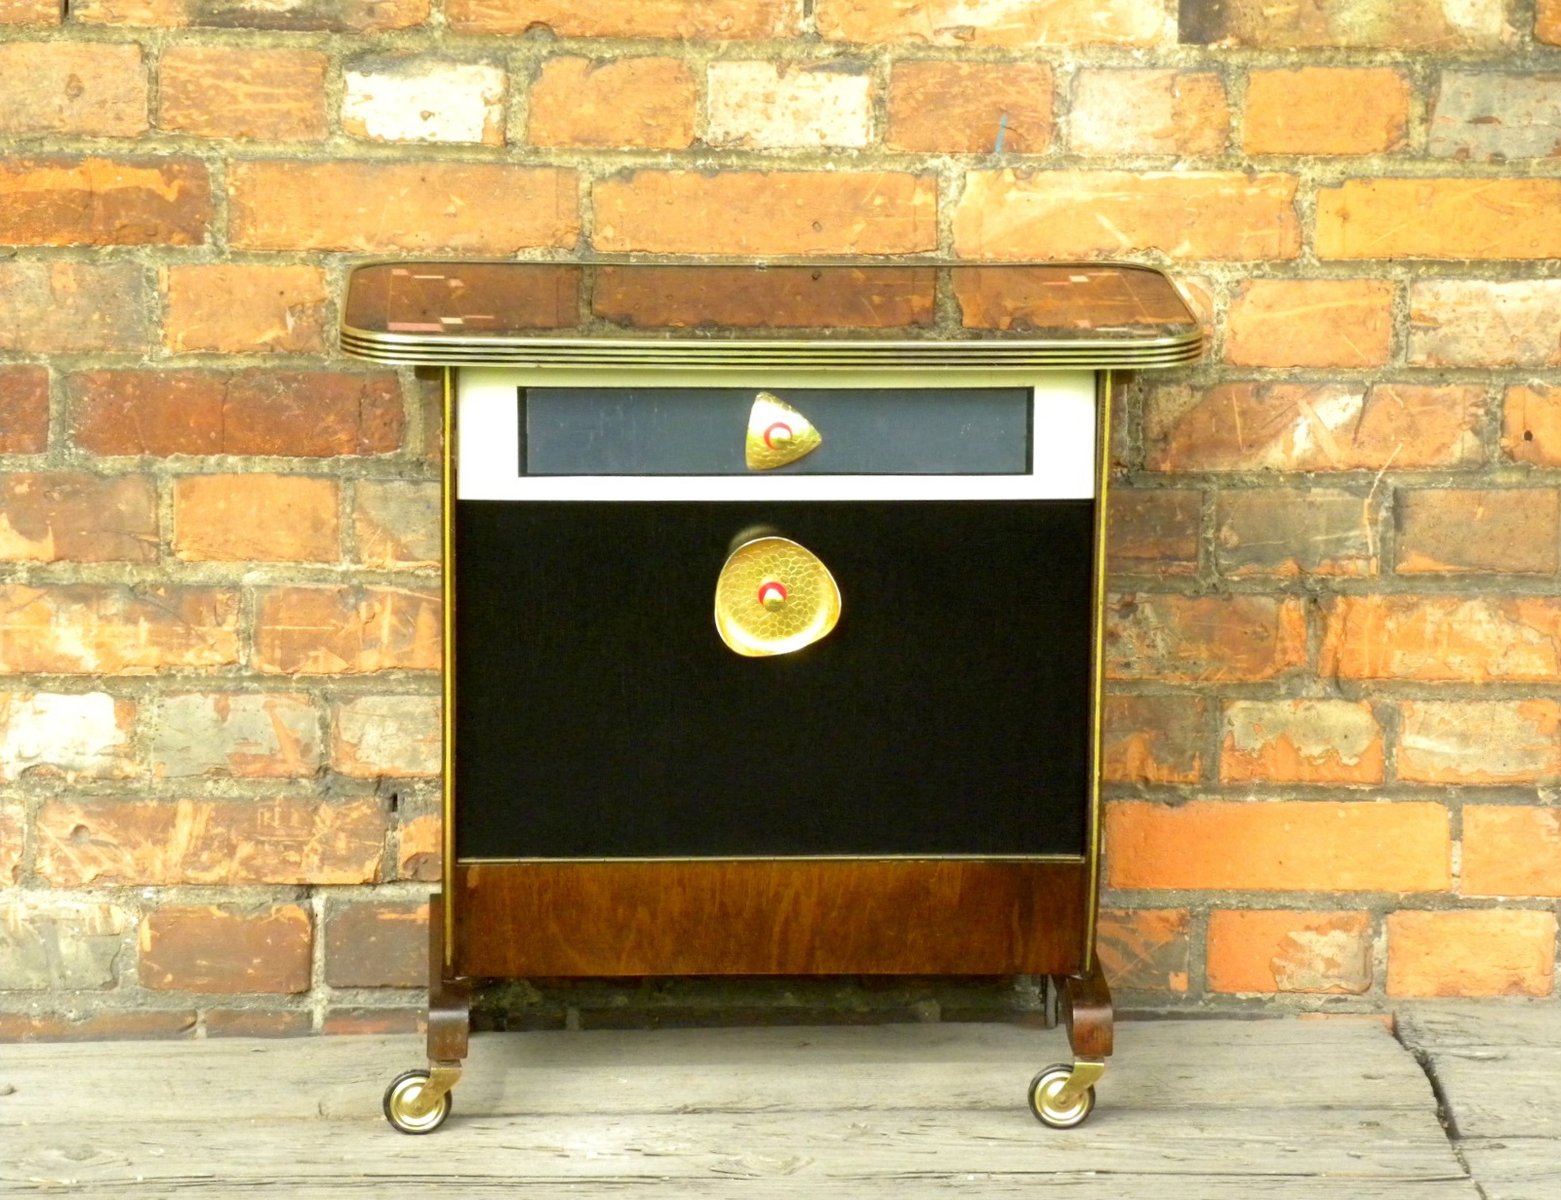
column 1225, row 1110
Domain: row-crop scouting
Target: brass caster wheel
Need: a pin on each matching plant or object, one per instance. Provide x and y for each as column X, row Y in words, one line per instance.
column 406, row 1108
column 1054, row 1108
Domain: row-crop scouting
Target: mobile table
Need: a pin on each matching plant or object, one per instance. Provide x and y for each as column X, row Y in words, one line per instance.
column 772, row 621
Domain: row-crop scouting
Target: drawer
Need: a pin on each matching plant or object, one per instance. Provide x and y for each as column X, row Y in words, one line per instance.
column 550, row 435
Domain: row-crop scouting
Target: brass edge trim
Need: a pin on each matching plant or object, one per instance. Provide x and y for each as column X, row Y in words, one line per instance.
column 1061, row 859
column 447, row 596
column 1085, row 358
column 1103, row 390
column 1087, row 361
column 694, row 350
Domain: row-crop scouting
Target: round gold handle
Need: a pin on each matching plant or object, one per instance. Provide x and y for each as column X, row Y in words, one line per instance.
column 774, row 596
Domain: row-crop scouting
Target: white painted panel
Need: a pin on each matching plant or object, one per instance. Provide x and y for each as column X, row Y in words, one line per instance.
column 488, row 442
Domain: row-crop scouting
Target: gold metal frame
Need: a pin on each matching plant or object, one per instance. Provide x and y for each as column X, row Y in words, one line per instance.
column 1093, row 827
column 447, row 598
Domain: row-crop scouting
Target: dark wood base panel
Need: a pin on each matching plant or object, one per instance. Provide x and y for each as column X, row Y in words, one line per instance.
column 770, row 917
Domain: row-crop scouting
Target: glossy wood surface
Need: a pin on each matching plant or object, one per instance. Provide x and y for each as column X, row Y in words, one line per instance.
column 791, row 917
column 1087, row 1012
column 484, row 305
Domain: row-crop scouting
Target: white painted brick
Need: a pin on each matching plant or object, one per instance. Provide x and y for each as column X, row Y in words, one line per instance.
column 417, row 100
column 75, row 735
column 256, row 736
column 768, row 105
column 66, row 944
column 386, row 735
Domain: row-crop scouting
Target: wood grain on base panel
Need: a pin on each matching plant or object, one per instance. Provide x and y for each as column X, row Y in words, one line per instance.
column 770, row 917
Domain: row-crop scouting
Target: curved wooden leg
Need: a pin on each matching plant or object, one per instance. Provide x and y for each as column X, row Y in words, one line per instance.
column 1063, row 1097
column 1086, row 1010
column 419, row 1101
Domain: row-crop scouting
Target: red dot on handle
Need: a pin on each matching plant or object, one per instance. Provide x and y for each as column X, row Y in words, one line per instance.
column 779, row 429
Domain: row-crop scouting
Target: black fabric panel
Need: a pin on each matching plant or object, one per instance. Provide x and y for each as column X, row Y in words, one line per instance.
column 599, row 715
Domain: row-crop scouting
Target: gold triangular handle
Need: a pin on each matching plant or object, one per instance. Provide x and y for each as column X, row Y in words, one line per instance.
column 774, row 597
column 778, row 434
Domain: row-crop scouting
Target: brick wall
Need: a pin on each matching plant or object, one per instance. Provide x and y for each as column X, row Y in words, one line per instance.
column 1335, row 723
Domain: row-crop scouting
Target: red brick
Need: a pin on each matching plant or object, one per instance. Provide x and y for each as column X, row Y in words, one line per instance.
column 1547, row 22
column 1153, row 532
column 112, row 630
column 726, row 20
column 1452, row 639
column 70, row 201
column 245, row 93
column 1511, row 218
column 377, row 736
column 24, row 399
column 766, row 212
column 232, row 843
column 1275, row 951
column 1484, row 323
column 628, row 102
column 252, row 1022
column 963, row 107
column 105, row 1026
column 1447, row 531
column 95, row 89
column 1486, row 952
column 422, row 849
column 1203, row 639
column 49, row 517
column 248, row 735
column 1511, row 850
column 1300, row 741
column 346, row 631
column 66, row 734
column 1008, row 214
column 1114, row 111
column 238, row 308
column 1308, row 427
column 961, row 23
column 469, row 209
column 373, row 1022
column 313, row 414
column 1402, row 25
column 1304, row 846
column 13, row 834
column 264, row 518
column 1144, row 949
column 1294, row 533
column 1531, row 425
column 228, row 950
column 1154, row 739
column 1310, row 323
column 74, row 307
column 1479, row 741
column 1326, row 110
column 381, row 944
column 30, row 12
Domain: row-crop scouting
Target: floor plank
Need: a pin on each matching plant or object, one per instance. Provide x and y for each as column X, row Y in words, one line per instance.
column 1498, row 1067
column 1214, row 1110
